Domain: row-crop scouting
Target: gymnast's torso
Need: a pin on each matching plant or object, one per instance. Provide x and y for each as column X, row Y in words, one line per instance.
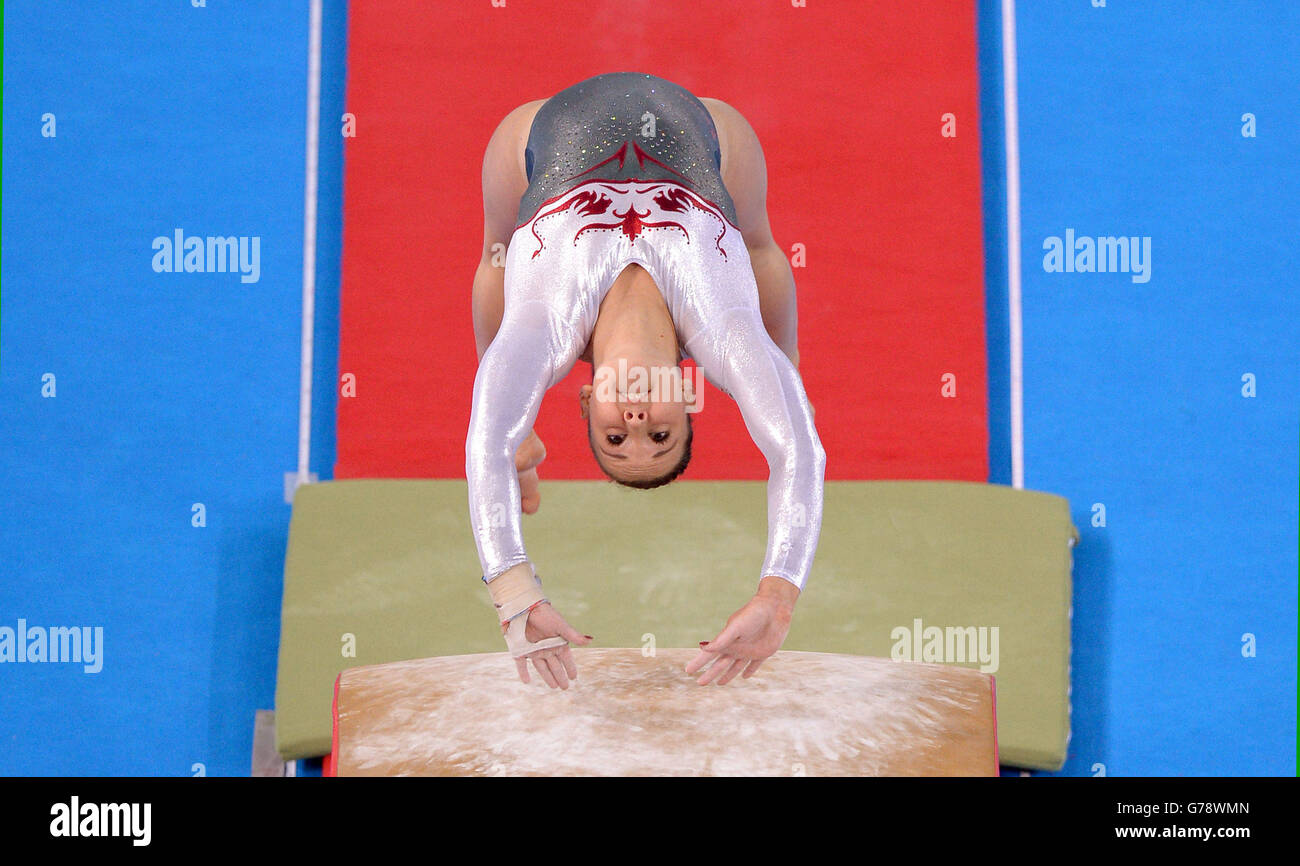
column 625, row 168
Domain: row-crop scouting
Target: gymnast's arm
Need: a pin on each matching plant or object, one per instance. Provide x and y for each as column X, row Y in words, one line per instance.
column 531, row 351
column 748, row 365
column 505, row 180
column 769, row 392
column 519, row 358
column 504, row 183
column 744, row 174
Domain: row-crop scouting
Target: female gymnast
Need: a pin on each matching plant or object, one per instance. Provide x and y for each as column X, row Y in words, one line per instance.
column 634, row 220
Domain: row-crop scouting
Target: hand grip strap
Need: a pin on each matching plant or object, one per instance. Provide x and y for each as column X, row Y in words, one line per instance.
column 514, row 594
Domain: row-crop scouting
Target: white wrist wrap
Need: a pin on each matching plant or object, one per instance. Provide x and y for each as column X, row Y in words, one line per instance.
column 514, row 594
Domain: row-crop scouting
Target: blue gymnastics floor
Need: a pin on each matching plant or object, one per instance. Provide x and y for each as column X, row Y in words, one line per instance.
column 177, row 389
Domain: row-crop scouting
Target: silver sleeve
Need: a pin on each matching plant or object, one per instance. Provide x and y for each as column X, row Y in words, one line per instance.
column 531, row 351
column 742, row 360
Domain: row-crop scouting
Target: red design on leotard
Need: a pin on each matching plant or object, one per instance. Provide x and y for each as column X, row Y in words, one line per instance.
column 632, row 222
column 666, row 195
column 676, row 199
column 588, row 203
column 621, row 156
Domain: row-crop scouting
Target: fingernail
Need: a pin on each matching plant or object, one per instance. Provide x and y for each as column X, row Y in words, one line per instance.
column 588, row 637
column 704, row 643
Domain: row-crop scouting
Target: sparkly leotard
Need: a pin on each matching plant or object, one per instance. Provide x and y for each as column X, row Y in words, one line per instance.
column 622, row 126
column 624, row 168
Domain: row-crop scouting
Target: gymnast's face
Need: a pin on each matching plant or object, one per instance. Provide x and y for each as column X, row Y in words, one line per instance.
column 636, row 438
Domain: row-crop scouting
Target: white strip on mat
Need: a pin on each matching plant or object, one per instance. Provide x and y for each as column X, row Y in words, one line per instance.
column 309, row 245
column 1011, row 118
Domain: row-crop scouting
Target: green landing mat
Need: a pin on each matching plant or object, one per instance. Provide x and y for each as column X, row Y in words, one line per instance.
column 385, row 570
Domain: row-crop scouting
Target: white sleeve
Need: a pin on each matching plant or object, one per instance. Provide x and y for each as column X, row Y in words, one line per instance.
column 532, row 351
column 739, row 357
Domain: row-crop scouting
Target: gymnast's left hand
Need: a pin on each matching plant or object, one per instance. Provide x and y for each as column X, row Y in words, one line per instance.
column 751, row 635
column 555, row 664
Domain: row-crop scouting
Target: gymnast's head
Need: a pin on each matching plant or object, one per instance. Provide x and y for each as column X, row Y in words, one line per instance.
column 637, row 407
column 641, row 434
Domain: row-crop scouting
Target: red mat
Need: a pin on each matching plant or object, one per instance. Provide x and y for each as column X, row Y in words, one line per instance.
column 847, row 100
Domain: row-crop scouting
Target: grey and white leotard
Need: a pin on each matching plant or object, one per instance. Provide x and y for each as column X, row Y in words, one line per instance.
column 624, row 204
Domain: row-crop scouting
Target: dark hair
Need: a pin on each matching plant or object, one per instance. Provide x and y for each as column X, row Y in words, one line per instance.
column 650, row 483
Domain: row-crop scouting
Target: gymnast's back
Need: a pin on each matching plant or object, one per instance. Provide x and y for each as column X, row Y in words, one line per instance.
column 623, row 126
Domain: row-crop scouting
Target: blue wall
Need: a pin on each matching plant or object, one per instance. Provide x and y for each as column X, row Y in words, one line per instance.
column 175, row 389
column 172, row 388
column 1131, row 124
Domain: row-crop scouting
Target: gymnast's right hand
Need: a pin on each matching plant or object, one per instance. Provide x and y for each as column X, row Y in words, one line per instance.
column 530, row 454
column 554, row 664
